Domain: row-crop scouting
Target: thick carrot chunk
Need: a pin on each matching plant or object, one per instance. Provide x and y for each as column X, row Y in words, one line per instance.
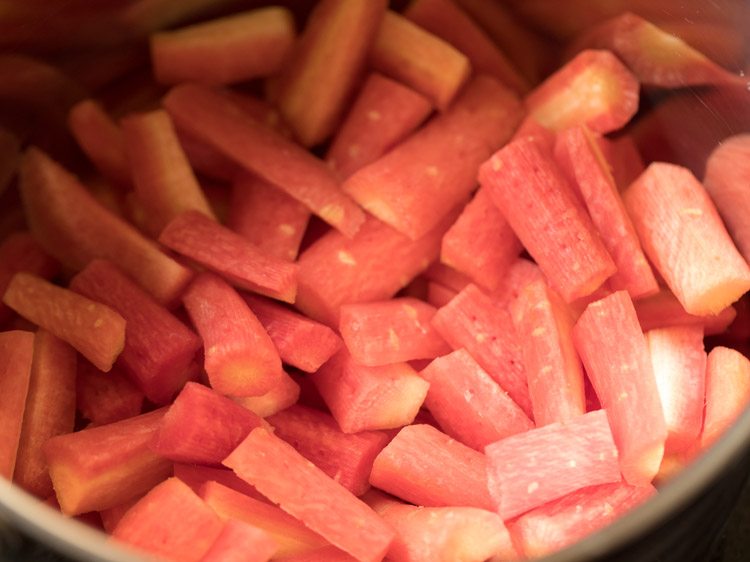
column 240, row 357
column 615, row 354
column 686, row 240
column 304, row 491
column 727, row 391
column 542, row 207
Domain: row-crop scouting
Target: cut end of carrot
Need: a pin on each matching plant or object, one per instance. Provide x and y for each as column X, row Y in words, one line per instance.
column 641, row 468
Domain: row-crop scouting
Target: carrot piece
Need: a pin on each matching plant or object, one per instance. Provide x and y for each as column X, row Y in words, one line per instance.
column 443, row 533
column 382, row 332
column 615, row 354
column 72, row 227
column 527, row 470
column 685, row 239
column 288, row 532
column 304, row 491
column 416, row 184
column 679, row 363
column 663, row 310
column 163, row 180
column 94, row 329
column 101, row 139
column 373, row 265
column 240, row 542
column 267, row 217
column 101, row 467
column 656, row 57
column 240, row 357
column 449, row 22
column 236, row 259
column 283, row 394
column 19, row 251
column 345, row 457
column 423, row 466
column 163, row 523
column 367, row 398
column 158, row 347
column 419, row 59
column 468, row 404
column 217, row 120
column 384, row 113
column 16, row 354
column 544, row 325
column 475, row 321
column 546, row 215
column 50, row 410
column 727, row 392
column 225, row 50
column 594, row 89
column 726, row 175
column 560, row 523
column 577, row 152
column 104, row 398
column 481, row 243
column 300, row 341
column 315, row 86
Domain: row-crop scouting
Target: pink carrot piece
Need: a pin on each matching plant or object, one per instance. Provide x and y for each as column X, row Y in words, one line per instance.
column 562, row 522
column 615, row 354
column 236, row 259
column 594, row 89
column 384, row 113
column 543, row 209
column 530, row 469
column 345, row 457
column 267, row 217
column 300, row 341
column 727, row 171
column 577, row 152
column 50, row 410
column 468, row 404
column 302, row 490
column 365, row 398
column 727, row 392
column 420, row 181
column 284, row 393
column 424, row 466
column 448, row 21
column 475, row 321
column 443, row 533
column 240, row 357
column 240, row 542
column 374, row 265
column 220, row 122
column 101, row 139
column 679, row 362
column 104, row 398
column 392, row 331
column 16, row 353
column 685, row 239
column 202, row 427
column 405, row 51
column 92, row 328
column 158, row 347
column 163, row 523
column 481, row 243
column 544, row 325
